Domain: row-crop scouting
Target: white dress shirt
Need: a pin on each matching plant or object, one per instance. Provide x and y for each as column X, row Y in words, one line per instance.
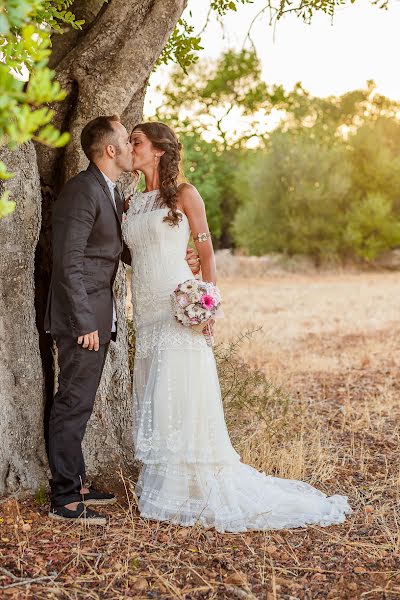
column 111, row 186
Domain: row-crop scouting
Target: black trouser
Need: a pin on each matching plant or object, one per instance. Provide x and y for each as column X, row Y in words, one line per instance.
column 78, row 380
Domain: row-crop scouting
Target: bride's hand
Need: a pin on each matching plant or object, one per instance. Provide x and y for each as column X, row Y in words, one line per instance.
column 209, row 327
column 135, row 179
column 127, row 202
column 192, row 259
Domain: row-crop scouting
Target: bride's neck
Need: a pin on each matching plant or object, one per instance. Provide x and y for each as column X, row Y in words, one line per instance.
column 152, row 180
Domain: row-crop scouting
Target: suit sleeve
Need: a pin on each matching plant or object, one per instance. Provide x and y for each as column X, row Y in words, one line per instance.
column 74, row 216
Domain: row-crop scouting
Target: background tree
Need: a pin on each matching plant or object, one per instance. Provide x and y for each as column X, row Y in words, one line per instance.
column 302, row 186
column 327, row 184
column 296, row 198
column 214, row 93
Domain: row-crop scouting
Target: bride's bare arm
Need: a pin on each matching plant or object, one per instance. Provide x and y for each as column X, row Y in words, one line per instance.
column 192, row 204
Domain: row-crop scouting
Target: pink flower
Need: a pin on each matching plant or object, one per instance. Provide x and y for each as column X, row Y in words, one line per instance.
column 207, row 302
column 124, row 217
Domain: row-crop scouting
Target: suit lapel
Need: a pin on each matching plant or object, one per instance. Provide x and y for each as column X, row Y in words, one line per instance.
column 98, row 175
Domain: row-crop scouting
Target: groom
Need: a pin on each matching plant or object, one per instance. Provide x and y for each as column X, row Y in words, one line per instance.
column 81, row 316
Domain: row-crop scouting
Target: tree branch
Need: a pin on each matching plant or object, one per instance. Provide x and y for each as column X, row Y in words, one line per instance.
column 21, row 581
column 107, row 68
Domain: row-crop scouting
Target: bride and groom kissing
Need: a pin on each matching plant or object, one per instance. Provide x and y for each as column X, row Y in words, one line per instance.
column 190, row 472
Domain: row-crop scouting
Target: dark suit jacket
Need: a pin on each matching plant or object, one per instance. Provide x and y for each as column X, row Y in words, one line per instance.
column 87, row 246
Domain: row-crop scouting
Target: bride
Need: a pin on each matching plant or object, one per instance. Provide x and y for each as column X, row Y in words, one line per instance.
column 191, row 473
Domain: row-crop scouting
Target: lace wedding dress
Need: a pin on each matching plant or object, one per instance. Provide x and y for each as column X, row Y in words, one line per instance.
column 191, row 473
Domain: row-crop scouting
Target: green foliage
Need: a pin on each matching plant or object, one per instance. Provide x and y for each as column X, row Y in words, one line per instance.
column 183, row 44
column 181, row 47
column 41, row 497
column 56, row 14
column 212, row 92
column 296, row 198
column 25, row 27
column 329, row 117
column 329, row 188
column 216, row 91
column 373, row 226
column 6, row 206
column 201, row 167
column 221, row 7
column 210, row 169
column 375, row 157
column 306, row 10
column 325, row 183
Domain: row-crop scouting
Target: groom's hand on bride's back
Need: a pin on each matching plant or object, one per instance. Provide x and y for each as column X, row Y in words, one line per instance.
column 90, row 340
column 193, row 260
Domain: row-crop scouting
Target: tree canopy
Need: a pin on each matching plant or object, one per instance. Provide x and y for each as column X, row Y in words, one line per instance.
column 329, row 188
column 26, row 28
column 323, row 182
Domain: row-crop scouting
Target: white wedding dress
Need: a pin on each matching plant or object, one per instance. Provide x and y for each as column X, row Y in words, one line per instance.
column 191, row 473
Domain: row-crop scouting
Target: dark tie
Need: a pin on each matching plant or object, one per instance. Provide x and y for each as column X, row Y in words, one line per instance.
column 118, row 202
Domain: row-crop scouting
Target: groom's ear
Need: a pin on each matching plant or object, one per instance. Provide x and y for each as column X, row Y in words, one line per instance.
column 110, row 151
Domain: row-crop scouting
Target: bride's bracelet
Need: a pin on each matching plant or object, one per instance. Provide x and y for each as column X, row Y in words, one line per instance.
column 202, row 237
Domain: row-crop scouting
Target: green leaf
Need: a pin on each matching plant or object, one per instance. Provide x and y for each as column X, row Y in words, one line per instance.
column 4, row 25
column 6, row 206
column 4, row 173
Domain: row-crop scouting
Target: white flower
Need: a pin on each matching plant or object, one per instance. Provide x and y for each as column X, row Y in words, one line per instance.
column 181, row 316
column 188, row 286
column 195, row 297
column 193, row 310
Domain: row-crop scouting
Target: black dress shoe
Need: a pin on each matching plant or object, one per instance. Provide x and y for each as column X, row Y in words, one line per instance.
column 82, row 514
column 98, row 498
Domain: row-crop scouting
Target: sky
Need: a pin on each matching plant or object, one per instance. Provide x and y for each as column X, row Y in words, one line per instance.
column 362, row 43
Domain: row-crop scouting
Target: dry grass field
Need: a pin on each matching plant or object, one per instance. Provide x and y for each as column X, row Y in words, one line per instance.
column 331, row 343
column 328, row 323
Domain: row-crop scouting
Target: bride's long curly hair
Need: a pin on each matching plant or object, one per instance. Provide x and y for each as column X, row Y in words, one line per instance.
column 163, row 138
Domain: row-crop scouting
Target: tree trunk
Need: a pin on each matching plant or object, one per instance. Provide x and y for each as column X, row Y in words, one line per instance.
column 104, row 70
column 22, row 456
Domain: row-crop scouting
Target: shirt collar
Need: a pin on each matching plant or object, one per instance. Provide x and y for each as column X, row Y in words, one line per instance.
column 110, row 183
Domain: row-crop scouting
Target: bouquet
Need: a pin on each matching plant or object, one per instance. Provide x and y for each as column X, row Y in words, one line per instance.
column 194, row 303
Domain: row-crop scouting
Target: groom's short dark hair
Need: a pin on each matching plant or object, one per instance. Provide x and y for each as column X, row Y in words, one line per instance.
column 98, row 133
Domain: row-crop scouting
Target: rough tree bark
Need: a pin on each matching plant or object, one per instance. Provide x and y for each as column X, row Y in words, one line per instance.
column 22, row 456
column 104, row 70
